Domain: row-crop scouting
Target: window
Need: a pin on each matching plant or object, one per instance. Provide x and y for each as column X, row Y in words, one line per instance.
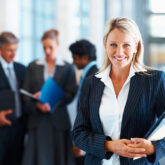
column 156, row 33
column 84, row 16
column 36, row 17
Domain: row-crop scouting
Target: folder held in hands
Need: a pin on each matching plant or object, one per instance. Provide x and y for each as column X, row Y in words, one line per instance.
column 157, row 131
column 51, row 93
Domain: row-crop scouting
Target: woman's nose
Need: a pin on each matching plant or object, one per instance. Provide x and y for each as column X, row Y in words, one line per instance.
column 47, row 50
column 119, row 50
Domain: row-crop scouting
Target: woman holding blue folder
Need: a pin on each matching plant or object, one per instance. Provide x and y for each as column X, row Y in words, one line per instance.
column 49, row 140
column 119, row 105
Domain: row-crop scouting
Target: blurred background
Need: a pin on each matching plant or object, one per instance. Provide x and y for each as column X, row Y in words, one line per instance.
column 76, row 19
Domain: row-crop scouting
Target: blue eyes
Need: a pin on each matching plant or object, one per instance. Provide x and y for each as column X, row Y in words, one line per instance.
column 124, row 45
column 113, row 45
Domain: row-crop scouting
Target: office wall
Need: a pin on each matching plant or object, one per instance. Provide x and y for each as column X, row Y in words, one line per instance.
column 9, row 16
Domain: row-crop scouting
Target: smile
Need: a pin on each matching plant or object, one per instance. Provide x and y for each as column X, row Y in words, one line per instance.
column 120, row 58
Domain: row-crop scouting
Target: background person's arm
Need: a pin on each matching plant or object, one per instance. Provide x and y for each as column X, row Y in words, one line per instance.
column 3, row 118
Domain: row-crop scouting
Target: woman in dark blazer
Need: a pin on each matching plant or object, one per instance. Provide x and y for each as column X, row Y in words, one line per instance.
column 119, row 105
column 49, row 141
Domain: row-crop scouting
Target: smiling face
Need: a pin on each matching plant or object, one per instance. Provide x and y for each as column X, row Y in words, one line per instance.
column 120, row 48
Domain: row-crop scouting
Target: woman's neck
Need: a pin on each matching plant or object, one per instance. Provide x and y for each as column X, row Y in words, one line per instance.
column 50, row 60
column 119, row 74
column 119, row 77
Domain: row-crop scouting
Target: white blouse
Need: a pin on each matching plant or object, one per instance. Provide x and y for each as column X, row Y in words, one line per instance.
column 112, row 108
column 42, row 62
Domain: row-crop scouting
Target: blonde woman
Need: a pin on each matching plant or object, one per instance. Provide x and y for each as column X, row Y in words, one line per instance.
column 118, row 105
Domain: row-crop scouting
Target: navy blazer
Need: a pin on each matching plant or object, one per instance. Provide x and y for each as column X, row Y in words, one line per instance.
column 20, row 71
column 65, row 77
column 20, row 74
column 145, row 102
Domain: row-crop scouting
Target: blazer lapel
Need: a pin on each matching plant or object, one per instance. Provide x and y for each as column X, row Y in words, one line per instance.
column 40, row 74
column 136, row 86
column 18, row 74
column 96, row 97
column 58, row 76
column 3, row 77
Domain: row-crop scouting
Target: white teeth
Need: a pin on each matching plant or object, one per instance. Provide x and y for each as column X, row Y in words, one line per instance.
column 120, row 58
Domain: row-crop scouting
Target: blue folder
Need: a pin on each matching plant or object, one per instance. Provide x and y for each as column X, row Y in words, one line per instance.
column 51, row 93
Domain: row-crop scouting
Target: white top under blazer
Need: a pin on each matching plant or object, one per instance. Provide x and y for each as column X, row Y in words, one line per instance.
column 111, row 109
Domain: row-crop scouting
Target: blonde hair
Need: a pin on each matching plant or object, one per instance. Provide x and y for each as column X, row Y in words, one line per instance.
column 51, row 34
column 127, row 26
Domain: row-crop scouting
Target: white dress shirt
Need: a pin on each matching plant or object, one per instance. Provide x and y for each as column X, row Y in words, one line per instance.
column 112, row 108
column 5, row 66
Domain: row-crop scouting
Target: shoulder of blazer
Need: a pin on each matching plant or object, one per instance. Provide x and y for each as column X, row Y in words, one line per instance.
column 92, row 71
column 20, row 69
column 152, row 76
column 19, row 66
column 36, row 62
column 66, row 68
column 93, row 82
column 66, row 65
column 36, row 65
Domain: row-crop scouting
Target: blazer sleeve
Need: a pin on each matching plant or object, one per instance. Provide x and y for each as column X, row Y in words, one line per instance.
column 83, row 135
column 159, row 107
column 30, row 104
column 69, row 85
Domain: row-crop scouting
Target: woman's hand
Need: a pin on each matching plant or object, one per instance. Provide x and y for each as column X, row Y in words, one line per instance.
column 37, row 95
column 43, row 107
column 77, row 152
column 143, row 143
column 123, row 148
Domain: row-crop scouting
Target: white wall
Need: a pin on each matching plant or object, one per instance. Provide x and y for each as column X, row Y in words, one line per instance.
column 68, row 32
column 9, row 16
column 121, row 8
column 97, row 27
column 65, row 16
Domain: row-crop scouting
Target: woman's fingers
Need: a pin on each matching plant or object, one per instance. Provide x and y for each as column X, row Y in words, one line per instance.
column 122, row 148
column 143, row 143
column 43, row 107
column 37, row 95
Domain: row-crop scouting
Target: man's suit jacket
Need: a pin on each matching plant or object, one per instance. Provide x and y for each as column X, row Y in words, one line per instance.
column 146, row 101
column 4, row 86
column 20, row 74
column 65, row 78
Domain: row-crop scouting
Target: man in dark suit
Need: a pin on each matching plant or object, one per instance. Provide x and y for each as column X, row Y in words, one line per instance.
column 11, row 120
column 84, row 57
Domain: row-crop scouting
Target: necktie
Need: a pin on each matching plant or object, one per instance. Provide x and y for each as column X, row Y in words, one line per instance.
column 13, row 85
column 11, row 79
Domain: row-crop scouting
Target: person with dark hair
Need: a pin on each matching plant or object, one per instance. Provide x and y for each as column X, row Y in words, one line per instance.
column 49, row 141
column 84, row 57
column 12, row 126
column 83, row 52
column 120, row 104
